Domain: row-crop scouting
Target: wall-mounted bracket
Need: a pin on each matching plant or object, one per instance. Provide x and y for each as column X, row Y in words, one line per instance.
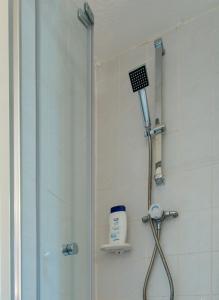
column 86, row 15
column 158, row 44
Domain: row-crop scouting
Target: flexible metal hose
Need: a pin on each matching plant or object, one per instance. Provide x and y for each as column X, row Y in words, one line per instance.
column 156, row 230
column 150, row 268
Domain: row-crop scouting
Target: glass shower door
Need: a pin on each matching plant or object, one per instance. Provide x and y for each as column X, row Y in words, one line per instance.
column 63, row 151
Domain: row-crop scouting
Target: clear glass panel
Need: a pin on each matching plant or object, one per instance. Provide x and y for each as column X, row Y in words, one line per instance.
column 64, row 129
column 55, row 152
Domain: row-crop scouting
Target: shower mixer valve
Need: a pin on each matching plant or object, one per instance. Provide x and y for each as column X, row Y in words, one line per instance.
column 158, row 214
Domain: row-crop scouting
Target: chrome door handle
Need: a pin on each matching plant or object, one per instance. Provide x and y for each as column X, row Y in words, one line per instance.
column 70, row 249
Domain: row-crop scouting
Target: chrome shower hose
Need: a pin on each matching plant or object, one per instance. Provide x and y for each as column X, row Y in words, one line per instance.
column 156, row 230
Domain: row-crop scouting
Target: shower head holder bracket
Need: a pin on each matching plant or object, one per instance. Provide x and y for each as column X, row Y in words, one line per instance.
column 160, row 129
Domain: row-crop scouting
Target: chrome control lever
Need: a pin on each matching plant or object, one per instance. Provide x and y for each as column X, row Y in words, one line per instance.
column 172, row 213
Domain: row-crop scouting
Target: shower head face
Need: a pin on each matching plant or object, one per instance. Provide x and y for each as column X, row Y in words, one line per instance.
column 139, row 78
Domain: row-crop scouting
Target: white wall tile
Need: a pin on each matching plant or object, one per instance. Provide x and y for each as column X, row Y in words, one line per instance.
column 194, row 276
column 107, row 111
column 196, row 147
column 185, row 190
column 215, row 185
column 215, row 139
column 196, row 56
column 215, row 229
column 194, row 231
column 196, row 190
column 107, row 277
column 127, row 271
column 215, row 273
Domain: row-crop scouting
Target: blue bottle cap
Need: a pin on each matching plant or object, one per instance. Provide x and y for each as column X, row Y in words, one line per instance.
column 118, row 208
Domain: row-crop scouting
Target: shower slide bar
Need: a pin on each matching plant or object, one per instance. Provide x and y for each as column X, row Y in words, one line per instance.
column 159, row 127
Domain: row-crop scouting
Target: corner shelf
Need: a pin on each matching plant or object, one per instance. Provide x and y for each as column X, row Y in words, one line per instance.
column 116, row 249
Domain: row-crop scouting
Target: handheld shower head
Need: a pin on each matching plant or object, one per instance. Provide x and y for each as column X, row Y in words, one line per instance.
column 139, row 78
column 139, row 81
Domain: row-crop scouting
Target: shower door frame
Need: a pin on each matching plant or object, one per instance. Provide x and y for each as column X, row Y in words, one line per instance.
column 15, row 35
column 5, row 226
column 15, row 145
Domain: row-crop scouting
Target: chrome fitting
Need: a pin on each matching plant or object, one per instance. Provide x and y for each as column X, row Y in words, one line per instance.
column 158, row 43
column 173, row 214
column 145, row 219
column 158, row 130
column 158, row 177
column 147, row 132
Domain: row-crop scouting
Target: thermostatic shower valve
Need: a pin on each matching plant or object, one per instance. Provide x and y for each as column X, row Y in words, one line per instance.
column 156, row 213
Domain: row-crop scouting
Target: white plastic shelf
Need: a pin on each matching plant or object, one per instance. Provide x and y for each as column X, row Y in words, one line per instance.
column 116, row 249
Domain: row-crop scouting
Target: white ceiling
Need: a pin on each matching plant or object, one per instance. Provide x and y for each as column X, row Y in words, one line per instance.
column 121, row 24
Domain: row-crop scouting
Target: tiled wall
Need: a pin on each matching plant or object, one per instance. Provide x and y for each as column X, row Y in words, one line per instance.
column 191, row 161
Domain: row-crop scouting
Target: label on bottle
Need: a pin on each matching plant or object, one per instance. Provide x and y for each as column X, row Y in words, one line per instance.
column 115, row 230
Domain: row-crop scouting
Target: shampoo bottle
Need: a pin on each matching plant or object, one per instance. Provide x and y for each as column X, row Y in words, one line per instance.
column 118, row 225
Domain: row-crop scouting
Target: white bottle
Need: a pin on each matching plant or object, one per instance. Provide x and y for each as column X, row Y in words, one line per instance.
column 118, row 225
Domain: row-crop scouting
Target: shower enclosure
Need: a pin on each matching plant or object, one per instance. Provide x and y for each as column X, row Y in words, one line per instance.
column 51, row 124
